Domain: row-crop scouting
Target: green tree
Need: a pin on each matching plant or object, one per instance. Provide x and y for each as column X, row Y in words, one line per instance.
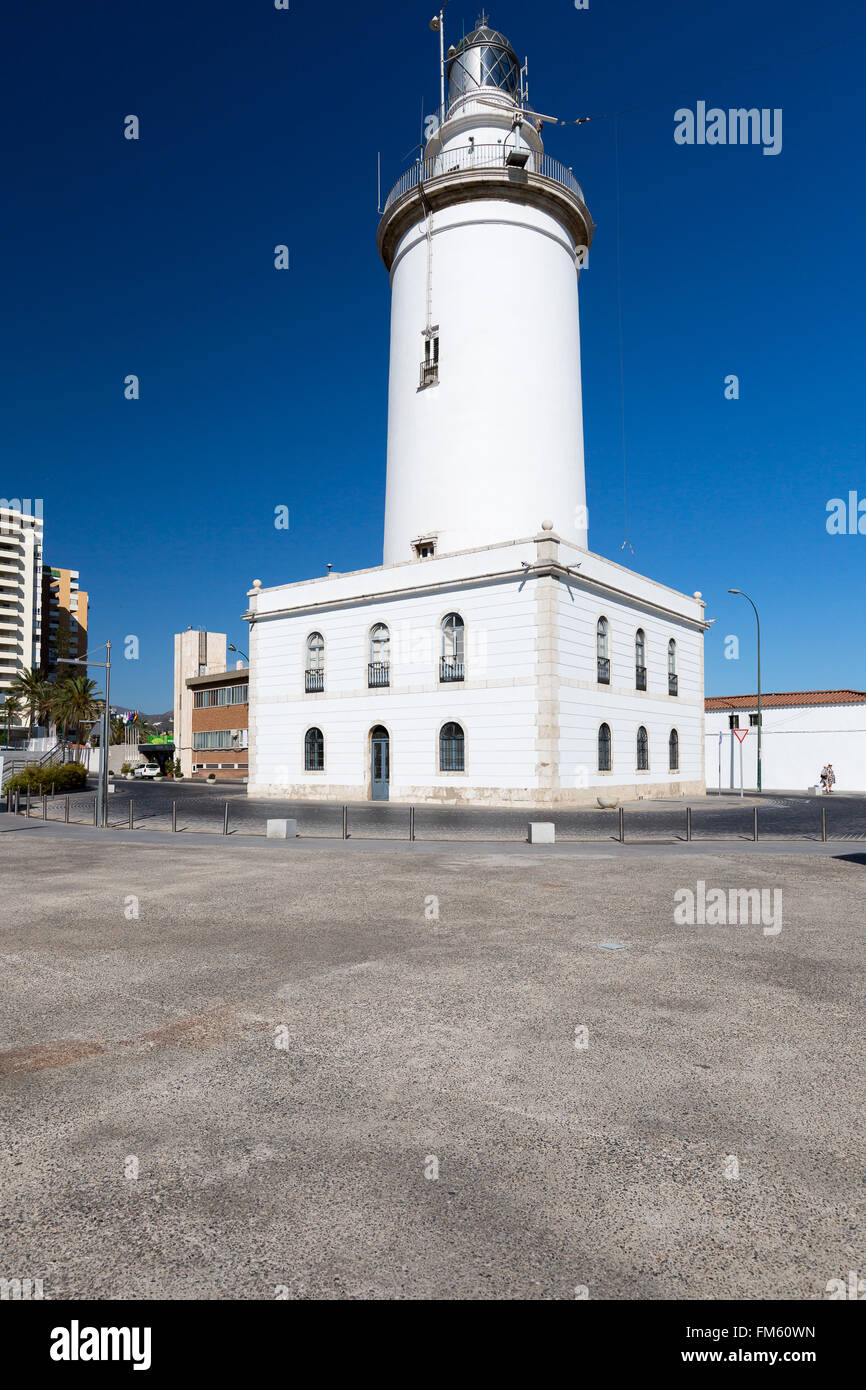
column 11, row 708
column 75, row 703
column 34, row 693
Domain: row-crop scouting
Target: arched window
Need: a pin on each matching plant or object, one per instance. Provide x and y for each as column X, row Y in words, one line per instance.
column 672, row 667
column 602, row 645
column 604, row 748
column 642, row 750
column 314, row 750
column 452, row 746
column 451, row 666
column 379, row 669
column 640, row 659
column 674, row 751
column 314, row 675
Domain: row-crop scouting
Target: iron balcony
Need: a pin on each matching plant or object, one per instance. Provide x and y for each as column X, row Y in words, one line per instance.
column 450, row 670
column 378, row 674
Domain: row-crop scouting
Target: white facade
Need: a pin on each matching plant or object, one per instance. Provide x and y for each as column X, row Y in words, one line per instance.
column 530, row 705
column 20, row 589
column 559, row 675
column 798, row 739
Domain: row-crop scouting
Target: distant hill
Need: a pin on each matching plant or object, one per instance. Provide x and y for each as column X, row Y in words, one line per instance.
column 162, row 723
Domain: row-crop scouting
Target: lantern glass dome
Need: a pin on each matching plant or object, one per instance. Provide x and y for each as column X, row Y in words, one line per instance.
column 486, row 59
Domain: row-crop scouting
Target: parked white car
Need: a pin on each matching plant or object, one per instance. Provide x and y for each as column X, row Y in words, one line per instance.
column 147, row 770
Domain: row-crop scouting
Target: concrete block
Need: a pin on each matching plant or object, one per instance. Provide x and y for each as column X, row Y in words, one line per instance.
column 282, row 829
column 542, row 832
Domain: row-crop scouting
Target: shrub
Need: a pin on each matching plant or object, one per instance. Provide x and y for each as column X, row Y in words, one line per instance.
column 127, row 767
column 64, row 777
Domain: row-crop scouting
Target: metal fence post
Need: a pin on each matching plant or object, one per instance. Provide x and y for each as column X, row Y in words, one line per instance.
column 44, row 805
column 174, row 816
column 27, row 810
column 226, row 820
column 131, row 814
column 17, row 801
column 622, row 825
column 824, row 823
column 688, row 822
column 95, row 822
column 755, row 823
column 345, row 822
column 411, row 822
column 66, row 813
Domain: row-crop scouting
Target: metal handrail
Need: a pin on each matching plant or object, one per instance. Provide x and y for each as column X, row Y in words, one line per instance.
column 469, row 159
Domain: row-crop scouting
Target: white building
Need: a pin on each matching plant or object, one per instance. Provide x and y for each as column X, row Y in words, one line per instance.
column 801, row 731
column 20, row 591
column 196, row 653
column 492, row 658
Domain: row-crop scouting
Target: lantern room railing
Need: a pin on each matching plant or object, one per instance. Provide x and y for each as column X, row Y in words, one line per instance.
column 470, row 159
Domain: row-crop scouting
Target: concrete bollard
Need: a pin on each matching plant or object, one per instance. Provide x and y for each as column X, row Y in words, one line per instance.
column 282, row 830
column 542, row 832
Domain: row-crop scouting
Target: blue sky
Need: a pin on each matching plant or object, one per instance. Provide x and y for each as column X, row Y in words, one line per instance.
column 261, row 388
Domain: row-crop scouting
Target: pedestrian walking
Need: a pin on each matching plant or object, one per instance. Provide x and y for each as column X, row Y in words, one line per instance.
column 831, row 777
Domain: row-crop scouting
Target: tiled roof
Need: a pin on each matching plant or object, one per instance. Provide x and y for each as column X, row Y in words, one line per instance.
column 786, row 699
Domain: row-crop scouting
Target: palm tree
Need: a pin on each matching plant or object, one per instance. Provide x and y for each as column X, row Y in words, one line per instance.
column 35, row 695
column 11, row 707
column 75, row 703
column 117, row 732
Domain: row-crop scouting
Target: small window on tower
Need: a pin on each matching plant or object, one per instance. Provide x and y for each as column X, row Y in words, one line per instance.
column 430, row 365
column 424, row 549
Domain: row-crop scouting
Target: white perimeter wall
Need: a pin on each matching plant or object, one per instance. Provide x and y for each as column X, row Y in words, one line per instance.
column 796, row 744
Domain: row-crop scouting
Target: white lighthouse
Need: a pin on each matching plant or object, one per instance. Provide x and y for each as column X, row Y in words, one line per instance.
column 492, row 659
column 484, row 239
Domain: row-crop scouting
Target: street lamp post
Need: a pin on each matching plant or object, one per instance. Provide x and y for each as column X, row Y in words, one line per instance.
column 102, row 799
column 233, row 648
column 760, row 722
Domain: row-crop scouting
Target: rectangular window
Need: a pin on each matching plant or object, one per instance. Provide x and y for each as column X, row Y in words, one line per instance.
column 753, row 721
column 221, row 738
column 430, row 365
column 223, row 695
column 733, row 721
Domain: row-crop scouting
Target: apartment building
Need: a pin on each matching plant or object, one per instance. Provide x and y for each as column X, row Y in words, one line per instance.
column 21, row 537
column 64, row 620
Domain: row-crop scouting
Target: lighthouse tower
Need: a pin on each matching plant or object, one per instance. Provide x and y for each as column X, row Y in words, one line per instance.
column 484, row 239
column 492, row 659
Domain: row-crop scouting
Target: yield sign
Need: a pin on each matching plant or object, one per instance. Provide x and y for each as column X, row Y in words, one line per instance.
column 741, row 733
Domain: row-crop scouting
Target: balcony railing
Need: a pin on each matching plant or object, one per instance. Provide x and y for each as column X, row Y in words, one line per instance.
column 672, row 685
column 314, row 681
column 603, row 670
column 429, row 374
column 450, row 670
column 469, row 159
column 640, row 678
column 378, row 674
